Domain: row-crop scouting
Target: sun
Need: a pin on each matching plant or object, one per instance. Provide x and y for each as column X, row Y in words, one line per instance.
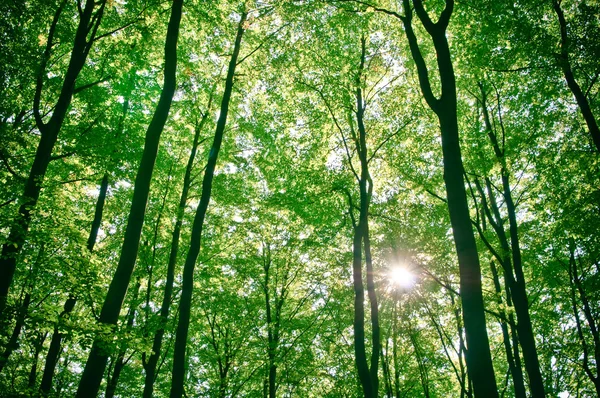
column 402, row 277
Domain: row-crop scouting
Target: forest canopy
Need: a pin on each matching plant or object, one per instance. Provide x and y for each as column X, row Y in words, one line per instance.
column 328, row 198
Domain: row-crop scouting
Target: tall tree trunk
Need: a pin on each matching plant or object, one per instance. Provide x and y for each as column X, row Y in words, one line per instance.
column 39, row 345
column 55, row 349
column 479, row 359
column 152, row 361
column 87, row 27
column 271, row 325
column 96, row 363
column 423, row 371
column 368, row 374
column 385, row 365
column 55, row 343
column 577, row 286
column 22, row 311
column 178, row 374
column 516, row 372
column 395, row 350
column 113, row 380
column 459, row 371
column 565, row 65
column 11, row 345
column 517, row 279
column 273, row 315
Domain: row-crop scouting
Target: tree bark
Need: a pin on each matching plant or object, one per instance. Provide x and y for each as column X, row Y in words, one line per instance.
column 11, row 345
column 39, row 345
column 368, row 374
column 113, row 381
column 22, row 311
column 54, row 350
column 577, row 286
column 565, row 65
column 55, row 342
column 516, row 372
column 514, row 262
column 152, row 362
column 96, row 363
column 178, row 374
column 479, row 360
column 49, row 131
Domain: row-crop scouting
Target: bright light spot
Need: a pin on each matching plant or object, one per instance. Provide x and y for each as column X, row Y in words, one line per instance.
column 402, row 277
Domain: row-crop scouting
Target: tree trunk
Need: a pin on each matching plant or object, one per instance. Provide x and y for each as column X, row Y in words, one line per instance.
column 54, row 350
column 479, row 359
column 11, row 345
column 273, row 320
column 516, row 372
column 367, row 374
column 565, row 65
column 55, row 343
column 151, row 363
column 39, row 345
column 576, row 285
column 49, row 134
column 178, row 374
column 423, row 371
column 516, row 280
column 96, row 363
column 113, row 380
column 395, row 350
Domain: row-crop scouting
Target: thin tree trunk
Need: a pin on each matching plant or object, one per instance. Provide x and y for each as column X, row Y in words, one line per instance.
column 479, row 359
column 55, row 349
column 516, row 280
column 273, row 318
column 11, row 345
column 272, row 333
column 423, row 372
column 113, row 381
column 88, row 25
column 151, row 363
column 96, row 363
column 55, row 344
column 565, row 65
column 395, row 350
column 39, row 345
column 385, row 365
column 368, row 374
column 178, row 374
column 224, row 355
column 576, row 285
column 460, row 371
column 516, row 372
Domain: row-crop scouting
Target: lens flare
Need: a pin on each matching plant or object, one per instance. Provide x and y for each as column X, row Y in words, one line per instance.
column 402, row 277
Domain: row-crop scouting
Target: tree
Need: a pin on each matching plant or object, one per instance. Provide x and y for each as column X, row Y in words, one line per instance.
column 94, row 369
column 178, row 374
column 324, row 180
column 565, row 65
column 85, row 36
column 479, row 362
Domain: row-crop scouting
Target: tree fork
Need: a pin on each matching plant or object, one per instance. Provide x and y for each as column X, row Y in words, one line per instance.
column 49, row 135
column 516, row 280
column 479, row 360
